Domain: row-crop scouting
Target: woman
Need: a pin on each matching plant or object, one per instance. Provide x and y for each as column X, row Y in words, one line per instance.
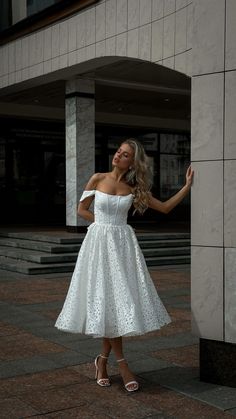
column 111, row 292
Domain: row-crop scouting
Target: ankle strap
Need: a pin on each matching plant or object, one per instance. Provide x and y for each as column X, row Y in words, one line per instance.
column 120, row 360
column 102, row 356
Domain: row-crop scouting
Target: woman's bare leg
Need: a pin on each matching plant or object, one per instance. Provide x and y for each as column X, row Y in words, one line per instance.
column 127, row 375
column 102, row 362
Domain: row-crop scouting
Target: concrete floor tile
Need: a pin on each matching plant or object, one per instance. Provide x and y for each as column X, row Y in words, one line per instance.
column 24, row 345
column 68, row 358
column 15, row 386
column 185, row 356
column 13, row 408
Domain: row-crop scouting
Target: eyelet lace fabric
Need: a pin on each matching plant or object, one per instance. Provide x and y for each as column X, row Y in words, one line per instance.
column 111, row 293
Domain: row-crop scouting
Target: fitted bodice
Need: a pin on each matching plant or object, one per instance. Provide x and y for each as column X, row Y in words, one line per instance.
column 110, row 209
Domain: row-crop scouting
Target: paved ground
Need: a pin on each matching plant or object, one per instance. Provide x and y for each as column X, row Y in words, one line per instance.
column 47, row 373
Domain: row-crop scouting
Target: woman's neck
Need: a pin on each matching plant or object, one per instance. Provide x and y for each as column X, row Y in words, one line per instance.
column 117, row 174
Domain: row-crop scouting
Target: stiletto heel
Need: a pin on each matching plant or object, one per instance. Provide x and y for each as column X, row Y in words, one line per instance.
column 133, row 383
column 103, row 382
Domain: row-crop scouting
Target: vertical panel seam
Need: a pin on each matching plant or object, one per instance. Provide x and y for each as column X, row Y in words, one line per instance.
column 224, row 176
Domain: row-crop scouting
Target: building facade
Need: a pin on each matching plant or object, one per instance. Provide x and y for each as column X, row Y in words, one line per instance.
column 107, row 67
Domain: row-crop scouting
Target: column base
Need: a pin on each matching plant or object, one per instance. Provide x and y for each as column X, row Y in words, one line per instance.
column 76, row 229
column 218, row 362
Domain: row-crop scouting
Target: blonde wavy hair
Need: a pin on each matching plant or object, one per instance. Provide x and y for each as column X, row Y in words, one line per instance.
column 139, row 176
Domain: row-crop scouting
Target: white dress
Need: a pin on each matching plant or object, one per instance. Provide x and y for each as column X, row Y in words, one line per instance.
column 111, row 293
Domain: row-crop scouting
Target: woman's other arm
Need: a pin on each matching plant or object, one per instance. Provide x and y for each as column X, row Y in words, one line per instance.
column 166, row 206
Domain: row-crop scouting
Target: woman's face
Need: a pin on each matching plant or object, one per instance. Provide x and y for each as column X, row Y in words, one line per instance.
column 124, row 157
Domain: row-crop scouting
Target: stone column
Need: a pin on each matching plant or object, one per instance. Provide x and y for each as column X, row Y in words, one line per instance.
column 80, row 145
column 214, row 190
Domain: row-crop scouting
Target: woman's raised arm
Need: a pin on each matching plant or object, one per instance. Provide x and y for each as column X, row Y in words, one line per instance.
column 166, row 206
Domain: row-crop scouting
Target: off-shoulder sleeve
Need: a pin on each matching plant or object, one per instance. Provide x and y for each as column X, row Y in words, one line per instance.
column 86, row 194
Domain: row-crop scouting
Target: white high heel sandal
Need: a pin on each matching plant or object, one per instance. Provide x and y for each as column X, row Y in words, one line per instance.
column 103, row 382
column 134, row 384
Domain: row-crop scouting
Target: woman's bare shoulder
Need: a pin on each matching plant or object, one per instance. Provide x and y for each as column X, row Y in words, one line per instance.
column 94, row 180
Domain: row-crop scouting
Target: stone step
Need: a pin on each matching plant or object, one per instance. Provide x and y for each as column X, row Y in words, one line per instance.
column 74, row 238
column 59, row 238
column 45, row 258
column 36, row 253
column 30, row 268
column 150, row 244
column 48, row 247
column 37, row 256
column 39, row 245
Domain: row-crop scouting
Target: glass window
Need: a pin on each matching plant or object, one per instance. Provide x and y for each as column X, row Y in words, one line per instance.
column 5, row 14
column 35, row 6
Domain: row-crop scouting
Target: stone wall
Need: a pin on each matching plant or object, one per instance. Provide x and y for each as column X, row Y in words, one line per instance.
column 214, row 161
column 159, row 31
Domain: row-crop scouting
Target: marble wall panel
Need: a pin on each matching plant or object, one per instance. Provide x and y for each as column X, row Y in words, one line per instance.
column 1, row 61
column 132, row 47
column 189, row 28
column 55, row 64
column 72, row 58
column 145, row 42
column 36, row 70
column 63, row 61
column 145, row 12
column 110, row 18
column 72, row 35
column 18, row 55
column 5, row 60
column 5, row 81
column 180, row 4
column 208, row 36
column 230, row 295
column 12, row 78
column 207, row 117
column 12, row 57
column 230, row 203
column 100, row 22
column 169, row 62
column 180, row 63
column 111, row 46
column 133, row 14
column 230, row 120
column 157, row 9
column 55, row 41
column 47, row 44
column 88, row 53
column 47, row 66
column 169, row 7
column 169, row 36
column 63, row 37
column 230, row 53
column 121, row 44
column 157, row 40
column 181, row 31
column 83, row 53
column 80, row 30
column 189, row 63
column 121, row 16
column 100, row 48
column 25, row 73
column 39, row 42
column 207, row 292
column 18, row 76
column 90, row 26
column 207, row 204
column 25, row 51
